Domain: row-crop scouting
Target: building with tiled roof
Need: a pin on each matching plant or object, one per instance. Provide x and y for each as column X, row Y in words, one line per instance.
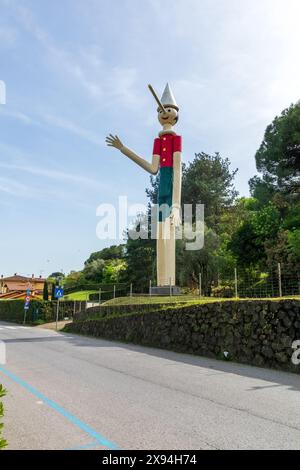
column 17, row 283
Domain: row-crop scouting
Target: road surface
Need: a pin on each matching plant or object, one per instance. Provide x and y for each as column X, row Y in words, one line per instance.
column 71, row 392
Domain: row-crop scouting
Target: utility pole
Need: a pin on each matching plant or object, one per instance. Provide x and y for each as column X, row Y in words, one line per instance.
column 235, row 283
column 279, row 280
column 57, row 312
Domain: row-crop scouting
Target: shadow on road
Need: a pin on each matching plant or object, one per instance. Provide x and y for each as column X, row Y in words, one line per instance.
column 276, row 377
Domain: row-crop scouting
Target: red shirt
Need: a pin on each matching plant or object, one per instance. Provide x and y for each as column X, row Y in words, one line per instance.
column 165, row 146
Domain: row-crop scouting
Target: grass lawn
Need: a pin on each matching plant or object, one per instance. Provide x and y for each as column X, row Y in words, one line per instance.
column 180, row 299
column 80, row 295
column 160, row 300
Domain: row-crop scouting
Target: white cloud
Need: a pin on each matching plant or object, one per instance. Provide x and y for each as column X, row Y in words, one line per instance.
column 12, row 187
column 85, row 67
column 52, row 174
column 45, row 119
column 70, row 126
column 18, row 115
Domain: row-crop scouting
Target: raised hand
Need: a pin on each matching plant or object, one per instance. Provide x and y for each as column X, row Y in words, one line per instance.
column 114, row 141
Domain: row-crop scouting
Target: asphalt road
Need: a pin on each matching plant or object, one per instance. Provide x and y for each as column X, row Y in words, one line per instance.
column 70, row 392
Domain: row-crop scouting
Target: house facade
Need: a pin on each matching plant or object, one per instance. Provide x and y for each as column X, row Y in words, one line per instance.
column 17, row 284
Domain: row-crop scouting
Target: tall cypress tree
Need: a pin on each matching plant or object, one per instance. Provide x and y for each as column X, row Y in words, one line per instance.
column 45, row 291
column 53, row 291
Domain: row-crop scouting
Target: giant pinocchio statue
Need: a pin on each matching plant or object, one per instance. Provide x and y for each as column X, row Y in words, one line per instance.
column 167, row 159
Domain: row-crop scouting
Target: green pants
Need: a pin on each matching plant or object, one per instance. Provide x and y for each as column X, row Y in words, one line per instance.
column 165, row 192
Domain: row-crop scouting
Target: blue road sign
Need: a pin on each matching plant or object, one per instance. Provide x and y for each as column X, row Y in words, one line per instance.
column 27, row 302
column 59, row 292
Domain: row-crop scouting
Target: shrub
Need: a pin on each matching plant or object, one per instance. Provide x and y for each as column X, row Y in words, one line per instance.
column 3, row 442
column 223, row 291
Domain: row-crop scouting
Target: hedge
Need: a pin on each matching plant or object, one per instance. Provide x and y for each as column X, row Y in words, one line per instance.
column 39, row 310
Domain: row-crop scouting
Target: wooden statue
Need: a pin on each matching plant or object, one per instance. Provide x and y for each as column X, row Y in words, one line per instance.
column 166, row 158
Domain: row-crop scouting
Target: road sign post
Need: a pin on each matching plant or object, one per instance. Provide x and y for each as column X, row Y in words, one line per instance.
column 26, row 305
column 57, row 312
column 58, row 294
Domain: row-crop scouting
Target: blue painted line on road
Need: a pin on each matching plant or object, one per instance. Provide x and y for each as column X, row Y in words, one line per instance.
column 59, row 409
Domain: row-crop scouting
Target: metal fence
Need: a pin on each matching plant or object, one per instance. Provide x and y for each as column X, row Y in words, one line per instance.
column 279, row 280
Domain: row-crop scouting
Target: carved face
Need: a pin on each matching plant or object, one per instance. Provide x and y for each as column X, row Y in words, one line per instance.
column 169, row 117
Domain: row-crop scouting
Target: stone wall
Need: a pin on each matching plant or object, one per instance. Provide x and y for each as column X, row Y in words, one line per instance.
column 257, row 332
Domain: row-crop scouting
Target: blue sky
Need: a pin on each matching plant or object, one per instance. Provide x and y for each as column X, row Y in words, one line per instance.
column 78, row 69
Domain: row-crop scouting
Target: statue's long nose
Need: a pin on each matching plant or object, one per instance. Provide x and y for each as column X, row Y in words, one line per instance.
column 160, row 105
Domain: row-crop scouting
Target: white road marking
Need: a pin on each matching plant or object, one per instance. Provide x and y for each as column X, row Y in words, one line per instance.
column 5, row 327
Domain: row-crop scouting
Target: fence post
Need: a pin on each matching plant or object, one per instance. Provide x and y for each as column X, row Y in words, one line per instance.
column 74, row 308
column 99, row 295
column 150, row 288
column 200, row 284
column 114, row 291
column 131, row 290
column 170, row 281
column 235, row 282
column 57, row 313
column 279, row 280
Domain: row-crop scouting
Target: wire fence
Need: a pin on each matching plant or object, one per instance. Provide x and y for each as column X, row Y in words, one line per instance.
column 279, row 280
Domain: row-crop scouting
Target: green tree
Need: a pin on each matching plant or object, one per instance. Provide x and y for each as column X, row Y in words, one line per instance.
column 57, row 275
column 75, row 278
column 278, row 157
column 140, row 258
column 45, row 291
column 109, row 253
column 246, row 245
column 294, row 243
column 208, row 180
column 53, row 285
column 113, row 270
column 249, row 241
column 190, row 263
column 93, row 270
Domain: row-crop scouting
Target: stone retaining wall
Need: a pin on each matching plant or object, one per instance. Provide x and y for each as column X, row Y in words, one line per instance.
column 257, row 332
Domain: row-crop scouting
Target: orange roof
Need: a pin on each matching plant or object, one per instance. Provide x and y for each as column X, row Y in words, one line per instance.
column 17, row 278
